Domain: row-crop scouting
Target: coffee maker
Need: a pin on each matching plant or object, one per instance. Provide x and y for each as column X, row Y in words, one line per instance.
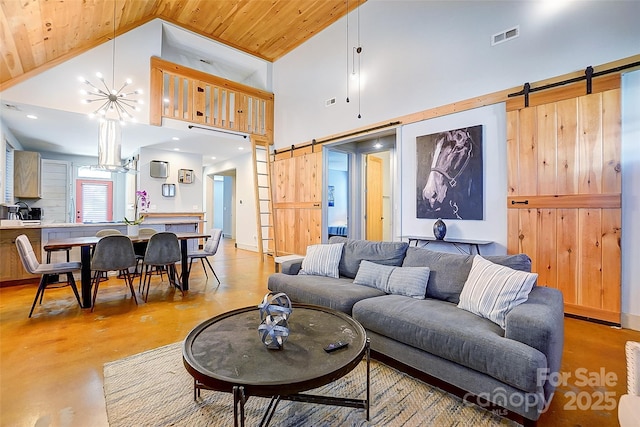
column 14, row 212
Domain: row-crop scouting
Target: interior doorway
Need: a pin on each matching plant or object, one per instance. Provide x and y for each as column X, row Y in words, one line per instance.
column 367, row 165
column 220, row 212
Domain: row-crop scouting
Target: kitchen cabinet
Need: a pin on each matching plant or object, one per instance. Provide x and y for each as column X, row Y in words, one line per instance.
column 26, row 175
column 10, row 264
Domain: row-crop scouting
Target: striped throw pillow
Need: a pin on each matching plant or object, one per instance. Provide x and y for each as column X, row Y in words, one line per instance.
column 492, row 290
column 408, row 281
column 322, row 260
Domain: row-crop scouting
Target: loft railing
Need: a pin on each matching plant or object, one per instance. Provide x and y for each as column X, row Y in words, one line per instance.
column 193, row 96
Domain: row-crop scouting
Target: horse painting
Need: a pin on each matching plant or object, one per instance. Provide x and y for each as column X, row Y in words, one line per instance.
column 449, row 174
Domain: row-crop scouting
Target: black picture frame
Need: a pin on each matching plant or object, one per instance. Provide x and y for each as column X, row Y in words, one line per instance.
column 449, row 174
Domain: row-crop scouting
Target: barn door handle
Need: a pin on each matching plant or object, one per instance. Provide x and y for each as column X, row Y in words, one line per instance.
column 513, row 202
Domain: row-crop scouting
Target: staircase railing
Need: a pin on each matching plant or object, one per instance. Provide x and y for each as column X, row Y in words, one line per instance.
column 182, row 93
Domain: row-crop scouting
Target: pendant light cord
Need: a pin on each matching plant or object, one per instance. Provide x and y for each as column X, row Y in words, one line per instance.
column 359, row 50
column 113, row 55
column 347, row 50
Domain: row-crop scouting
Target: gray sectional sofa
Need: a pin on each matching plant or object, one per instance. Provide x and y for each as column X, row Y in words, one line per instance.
column 508, row 367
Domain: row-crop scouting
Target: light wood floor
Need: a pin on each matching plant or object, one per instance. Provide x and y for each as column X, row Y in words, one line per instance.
column 51, row 366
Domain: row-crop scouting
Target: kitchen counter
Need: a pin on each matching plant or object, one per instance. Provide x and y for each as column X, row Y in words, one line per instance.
column 97, row 224
column 12, row 272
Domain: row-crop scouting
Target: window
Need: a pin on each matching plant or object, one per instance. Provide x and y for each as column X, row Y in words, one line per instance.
column 95, row 201
column 8, row 174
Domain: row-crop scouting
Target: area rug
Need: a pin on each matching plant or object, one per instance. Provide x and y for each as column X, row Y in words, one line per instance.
column 154, row 389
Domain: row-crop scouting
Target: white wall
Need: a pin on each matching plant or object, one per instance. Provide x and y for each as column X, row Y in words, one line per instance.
column 245, row 206
column 631, row 200
column 188, row 196
column 494, row 157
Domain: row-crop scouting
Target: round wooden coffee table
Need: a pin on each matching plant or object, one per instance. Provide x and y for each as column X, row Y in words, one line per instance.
column 225, row 354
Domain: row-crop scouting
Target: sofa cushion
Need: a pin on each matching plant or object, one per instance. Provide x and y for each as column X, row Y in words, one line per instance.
column 340, row 294
column 386, row 253
column 322, row 260
column 408, row 281
column 492, row 290
column 444, row 330
column 449, row 271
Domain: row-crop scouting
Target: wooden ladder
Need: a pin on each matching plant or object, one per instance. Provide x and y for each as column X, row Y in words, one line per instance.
column 262, row 163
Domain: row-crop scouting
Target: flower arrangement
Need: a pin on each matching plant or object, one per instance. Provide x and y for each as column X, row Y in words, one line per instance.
column 139, row 207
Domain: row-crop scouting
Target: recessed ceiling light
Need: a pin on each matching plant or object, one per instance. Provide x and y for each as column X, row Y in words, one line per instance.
column 176, row 149
column 31, row 116
column 240, row 148
column 175, row 138
column 213, row 157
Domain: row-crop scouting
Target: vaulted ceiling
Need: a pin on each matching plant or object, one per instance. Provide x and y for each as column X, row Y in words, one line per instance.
column 39, row 34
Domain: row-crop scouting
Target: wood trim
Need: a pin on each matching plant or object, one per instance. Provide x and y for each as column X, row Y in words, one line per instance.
column 192, row 74
column 592, row 313
column 594, row 201
column 166, row 214
column 155, row 109
column 568, row 91
column 18, row 282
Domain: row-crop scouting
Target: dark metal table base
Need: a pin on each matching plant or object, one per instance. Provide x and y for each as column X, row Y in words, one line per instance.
column 240, row 398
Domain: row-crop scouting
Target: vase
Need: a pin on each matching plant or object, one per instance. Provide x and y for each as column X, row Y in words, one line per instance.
column 132, row 229
column 439, row 229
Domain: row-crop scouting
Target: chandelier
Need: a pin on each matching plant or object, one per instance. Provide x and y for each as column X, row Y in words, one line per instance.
column 114, row 103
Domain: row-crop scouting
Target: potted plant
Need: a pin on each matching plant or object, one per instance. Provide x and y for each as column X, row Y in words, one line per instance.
column 140, row 206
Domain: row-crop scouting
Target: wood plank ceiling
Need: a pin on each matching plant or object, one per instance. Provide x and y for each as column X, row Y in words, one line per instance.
column 39, row 34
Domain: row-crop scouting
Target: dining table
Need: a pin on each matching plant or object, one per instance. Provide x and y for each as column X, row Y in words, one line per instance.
column 88, row 242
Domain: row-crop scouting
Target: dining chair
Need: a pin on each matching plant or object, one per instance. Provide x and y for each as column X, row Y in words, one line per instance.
column 103, row 233
column 31, row 264
column 140, row 247
column 112, row 253
column 210, row 249
column 107, row 232
column 163, row 251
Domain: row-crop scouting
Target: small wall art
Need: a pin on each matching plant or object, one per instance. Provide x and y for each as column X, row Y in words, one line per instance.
column 169, row 190
column 185, row 176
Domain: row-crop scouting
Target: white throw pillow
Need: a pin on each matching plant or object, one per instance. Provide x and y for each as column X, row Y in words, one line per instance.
column 322, row 260
column 492, row 290
column 408, row 281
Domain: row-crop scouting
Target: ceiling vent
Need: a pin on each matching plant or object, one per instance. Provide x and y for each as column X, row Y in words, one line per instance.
column 329, row 102
column 505, row 35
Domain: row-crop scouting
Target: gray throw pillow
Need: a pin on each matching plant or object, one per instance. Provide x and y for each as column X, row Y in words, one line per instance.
column 408, row 281
column 449, row 271
column 386, row 253
column 322, row 260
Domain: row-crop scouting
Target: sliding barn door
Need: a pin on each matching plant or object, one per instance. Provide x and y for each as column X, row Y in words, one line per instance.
column 565, row 197
column 297, row 200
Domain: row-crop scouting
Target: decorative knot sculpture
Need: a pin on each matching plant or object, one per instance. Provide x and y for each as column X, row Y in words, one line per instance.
column 274, row 320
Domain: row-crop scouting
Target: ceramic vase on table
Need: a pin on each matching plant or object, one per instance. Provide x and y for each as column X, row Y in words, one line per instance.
column 439, row 229
column 133, row 229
